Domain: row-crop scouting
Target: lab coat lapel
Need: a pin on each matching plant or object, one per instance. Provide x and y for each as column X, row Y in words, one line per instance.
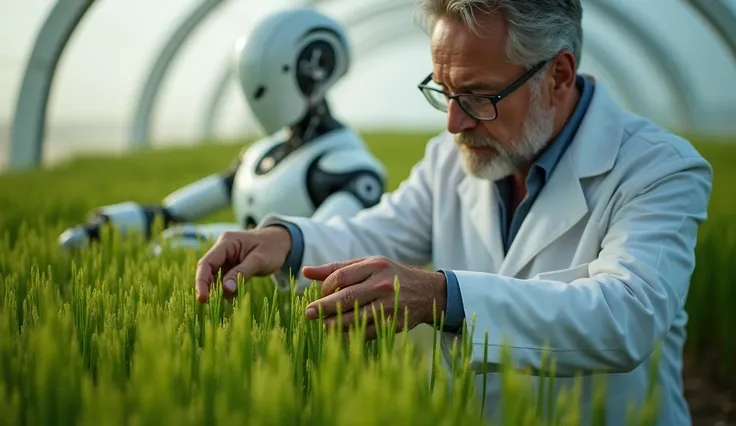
column 562, row 202
column 558, row 207
column 479, row 198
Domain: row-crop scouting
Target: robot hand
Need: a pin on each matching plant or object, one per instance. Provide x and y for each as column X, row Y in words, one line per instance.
column 125, row 218
column 189, row 203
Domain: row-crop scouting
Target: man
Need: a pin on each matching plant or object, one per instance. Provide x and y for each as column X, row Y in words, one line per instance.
column 554, row 217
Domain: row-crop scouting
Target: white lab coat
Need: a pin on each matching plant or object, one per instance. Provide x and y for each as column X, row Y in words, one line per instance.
column 599, row 269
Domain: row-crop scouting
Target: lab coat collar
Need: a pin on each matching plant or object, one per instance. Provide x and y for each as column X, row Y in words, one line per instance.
column 561, row 203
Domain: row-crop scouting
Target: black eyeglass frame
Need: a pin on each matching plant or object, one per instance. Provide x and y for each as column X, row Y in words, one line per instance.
column 495, row 99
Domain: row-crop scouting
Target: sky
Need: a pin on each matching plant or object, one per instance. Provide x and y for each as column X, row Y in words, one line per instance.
column 107, row 59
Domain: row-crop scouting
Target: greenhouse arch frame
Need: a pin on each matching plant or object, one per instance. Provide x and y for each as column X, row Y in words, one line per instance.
column 29, row 122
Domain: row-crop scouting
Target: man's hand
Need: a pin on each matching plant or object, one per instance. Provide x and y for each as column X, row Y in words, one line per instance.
column 370, row 282
column 251, row 253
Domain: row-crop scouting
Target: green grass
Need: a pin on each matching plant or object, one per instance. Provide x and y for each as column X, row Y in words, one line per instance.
column 112, row 335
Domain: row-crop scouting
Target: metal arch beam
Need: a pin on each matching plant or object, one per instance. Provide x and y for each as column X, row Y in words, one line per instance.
column 209, row 122
column 141, row 130
column 29, row 124
column 623, row 79
column 368, row 14
column 670, row 68
column 721, row 18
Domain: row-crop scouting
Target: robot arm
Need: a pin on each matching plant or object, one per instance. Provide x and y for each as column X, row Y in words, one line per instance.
column 189, row 203
column 199, row 199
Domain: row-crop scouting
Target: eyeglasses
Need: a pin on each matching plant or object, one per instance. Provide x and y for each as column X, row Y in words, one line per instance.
column 480, row 107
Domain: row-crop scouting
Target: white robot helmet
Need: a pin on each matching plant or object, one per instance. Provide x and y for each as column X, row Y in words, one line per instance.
column 288, row 63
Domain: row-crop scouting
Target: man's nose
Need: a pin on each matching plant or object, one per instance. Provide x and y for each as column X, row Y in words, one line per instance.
column 457, row 119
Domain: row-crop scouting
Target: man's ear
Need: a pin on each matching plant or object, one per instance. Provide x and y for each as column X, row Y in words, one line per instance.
column 563, row 74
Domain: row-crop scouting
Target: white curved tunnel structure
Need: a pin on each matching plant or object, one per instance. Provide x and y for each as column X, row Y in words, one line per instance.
column 140, row 134
column 27, row 132
column 720, row 14
column 616, row 32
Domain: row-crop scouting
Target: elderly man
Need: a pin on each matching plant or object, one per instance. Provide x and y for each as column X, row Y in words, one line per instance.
column 551, row 215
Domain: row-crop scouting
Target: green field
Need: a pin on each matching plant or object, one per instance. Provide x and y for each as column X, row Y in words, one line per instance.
column 115, row 336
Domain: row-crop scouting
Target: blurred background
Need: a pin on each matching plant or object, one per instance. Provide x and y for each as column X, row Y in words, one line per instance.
column 156, row 72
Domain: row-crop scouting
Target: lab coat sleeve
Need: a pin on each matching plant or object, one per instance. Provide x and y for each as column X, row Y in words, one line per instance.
column 294, row 257
column 454, row 312
column 607, row 315
column 398, row 227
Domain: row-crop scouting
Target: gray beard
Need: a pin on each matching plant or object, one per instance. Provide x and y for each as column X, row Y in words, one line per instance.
column 501, row 162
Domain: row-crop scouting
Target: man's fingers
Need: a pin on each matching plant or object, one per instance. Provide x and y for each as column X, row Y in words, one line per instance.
column 253, row 264
column 321, row 272
column 363, row 293
column 213, row 260
column 346, row 276
column 225, row 251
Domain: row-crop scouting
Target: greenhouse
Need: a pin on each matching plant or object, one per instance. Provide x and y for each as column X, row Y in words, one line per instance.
column 185, row 222
column 82, row 75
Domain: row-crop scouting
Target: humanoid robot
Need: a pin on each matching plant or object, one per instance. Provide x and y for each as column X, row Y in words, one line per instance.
column 310, row 165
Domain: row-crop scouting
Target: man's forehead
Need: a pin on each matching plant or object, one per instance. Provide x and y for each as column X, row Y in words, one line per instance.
column 458, row 50
column 490, row 31
column 464, row 62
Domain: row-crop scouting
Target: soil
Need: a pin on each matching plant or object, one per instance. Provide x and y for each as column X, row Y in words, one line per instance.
column 712, row 401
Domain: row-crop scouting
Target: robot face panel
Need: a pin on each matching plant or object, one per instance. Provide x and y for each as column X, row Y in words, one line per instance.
column 315, row 66
column 288, row 63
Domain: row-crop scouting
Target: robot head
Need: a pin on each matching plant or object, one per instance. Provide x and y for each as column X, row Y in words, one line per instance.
column 288, row 63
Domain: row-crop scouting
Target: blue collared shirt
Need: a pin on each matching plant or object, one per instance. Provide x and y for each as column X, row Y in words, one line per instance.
column 539, row 174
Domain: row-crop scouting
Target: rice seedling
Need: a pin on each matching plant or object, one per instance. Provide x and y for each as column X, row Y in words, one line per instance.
column 114, row 335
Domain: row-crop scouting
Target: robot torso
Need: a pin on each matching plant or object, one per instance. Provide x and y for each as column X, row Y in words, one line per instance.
column 273, row 177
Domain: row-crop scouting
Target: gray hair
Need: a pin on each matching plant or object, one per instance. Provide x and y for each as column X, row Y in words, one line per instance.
column 538, row 29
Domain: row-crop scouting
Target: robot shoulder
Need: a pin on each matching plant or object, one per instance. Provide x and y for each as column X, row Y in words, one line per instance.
column 347, row 161
column 354, row 171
